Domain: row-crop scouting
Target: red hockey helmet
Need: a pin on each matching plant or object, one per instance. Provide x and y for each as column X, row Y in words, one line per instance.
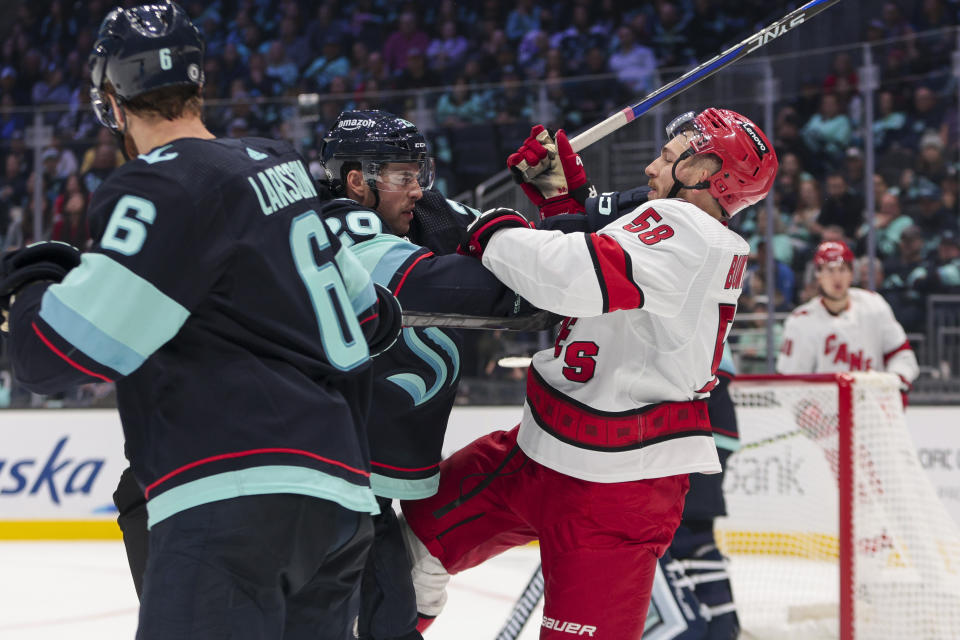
column 748, row 162
column 834, row 251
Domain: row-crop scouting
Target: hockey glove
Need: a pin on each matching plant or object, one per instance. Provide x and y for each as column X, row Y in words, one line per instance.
column 389, row 322
column 550, row 173
column 482, row 229
column 40, row 261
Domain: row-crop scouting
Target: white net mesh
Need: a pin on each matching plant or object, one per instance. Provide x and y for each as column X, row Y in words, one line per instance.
column 783, row 529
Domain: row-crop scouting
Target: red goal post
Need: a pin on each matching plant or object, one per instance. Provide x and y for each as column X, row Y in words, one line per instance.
column 833, row 530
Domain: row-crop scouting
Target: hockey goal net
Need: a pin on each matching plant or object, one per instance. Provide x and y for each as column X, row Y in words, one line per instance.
column 834, row 530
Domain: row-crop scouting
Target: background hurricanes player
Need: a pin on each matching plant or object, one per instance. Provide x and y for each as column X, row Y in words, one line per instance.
column 615, row 418
column 845, row 328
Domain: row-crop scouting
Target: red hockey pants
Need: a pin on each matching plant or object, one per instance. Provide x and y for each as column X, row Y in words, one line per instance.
column 599, row 543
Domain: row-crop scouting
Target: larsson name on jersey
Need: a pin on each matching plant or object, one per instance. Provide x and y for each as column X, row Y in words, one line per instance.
column 281, row 185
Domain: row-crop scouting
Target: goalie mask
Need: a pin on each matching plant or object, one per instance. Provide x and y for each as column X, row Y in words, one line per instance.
column 748, row 163
column 142, row 49
column 370, row 141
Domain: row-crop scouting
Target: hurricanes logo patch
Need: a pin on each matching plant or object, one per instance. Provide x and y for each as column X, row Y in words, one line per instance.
column 758, row 142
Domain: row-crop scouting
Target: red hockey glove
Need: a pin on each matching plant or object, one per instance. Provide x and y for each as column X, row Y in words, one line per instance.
column 550, row 173
column 482, row 229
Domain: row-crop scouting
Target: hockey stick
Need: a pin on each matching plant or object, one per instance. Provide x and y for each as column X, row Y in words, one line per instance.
column 787, row 23
column 524, row 607
column 627, row 115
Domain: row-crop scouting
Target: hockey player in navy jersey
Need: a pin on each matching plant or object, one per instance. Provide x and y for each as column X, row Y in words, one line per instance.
column 379, row 178
column 615, row 417
column 239, row 333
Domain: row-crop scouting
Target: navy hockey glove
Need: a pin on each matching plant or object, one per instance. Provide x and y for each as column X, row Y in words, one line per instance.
column 551, row 173
column 389, row 322
column 40, row 261
column 482, row 229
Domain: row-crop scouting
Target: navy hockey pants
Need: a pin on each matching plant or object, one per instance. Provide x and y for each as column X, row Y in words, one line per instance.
column 278, row 566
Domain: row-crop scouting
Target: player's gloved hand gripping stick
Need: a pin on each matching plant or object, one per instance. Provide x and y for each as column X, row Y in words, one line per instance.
column 551, row 173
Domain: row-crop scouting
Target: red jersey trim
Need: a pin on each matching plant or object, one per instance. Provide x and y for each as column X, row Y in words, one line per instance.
column 615, row 272
column 403, row 279
column 390, row 466
column 904, row 347
column 573, row 423
column 65, row 357
column 252, row 452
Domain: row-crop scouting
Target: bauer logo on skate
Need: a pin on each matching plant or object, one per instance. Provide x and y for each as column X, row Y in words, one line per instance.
column 573, row 628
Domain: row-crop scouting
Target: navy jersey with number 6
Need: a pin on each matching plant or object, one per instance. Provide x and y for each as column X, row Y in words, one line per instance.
column 231, row 320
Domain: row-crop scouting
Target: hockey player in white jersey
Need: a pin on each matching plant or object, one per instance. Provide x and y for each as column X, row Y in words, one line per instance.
column 615, row 417
column 844, row 328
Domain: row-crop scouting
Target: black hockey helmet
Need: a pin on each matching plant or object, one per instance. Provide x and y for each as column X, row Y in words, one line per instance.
column 369, row 140
column 141, row 49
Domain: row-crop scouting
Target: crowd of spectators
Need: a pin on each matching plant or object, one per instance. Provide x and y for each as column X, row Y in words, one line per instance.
column 471, row 62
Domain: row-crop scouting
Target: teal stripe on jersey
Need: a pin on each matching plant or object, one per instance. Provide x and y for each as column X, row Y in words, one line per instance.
column 257, row 481
column 398, row 489
column 357, row 279
column 111, row 314
column 382, row 256
column 726, row 442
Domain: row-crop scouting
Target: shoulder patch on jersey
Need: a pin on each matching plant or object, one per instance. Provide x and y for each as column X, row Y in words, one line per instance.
column 256, row 155
column 158, row 155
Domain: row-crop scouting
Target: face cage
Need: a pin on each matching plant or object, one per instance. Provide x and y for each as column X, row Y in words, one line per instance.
column 389, row 179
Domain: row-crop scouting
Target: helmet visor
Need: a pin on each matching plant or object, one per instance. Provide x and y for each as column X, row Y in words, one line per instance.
column 682, row 124
column 102, row 109
column 401, row 175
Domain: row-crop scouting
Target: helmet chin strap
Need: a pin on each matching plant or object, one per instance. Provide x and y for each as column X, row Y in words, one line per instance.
column 677, row 185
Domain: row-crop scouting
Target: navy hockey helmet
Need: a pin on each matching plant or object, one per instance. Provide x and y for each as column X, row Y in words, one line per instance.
column 371, row 140
column 142, row 49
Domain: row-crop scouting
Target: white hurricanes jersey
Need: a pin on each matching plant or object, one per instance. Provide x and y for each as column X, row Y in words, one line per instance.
column 649, row 300
column 865, row 336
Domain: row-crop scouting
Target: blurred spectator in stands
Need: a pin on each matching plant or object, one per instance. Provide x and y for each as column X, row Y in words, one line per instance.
column 671, row 41
column 71, row 185
column 531, row 54
column 561, row 111
column 10, row 120
column 524, row 18
column 574, row 41
column 807, row 103
column 926, row 115
column 447, row 52
column 460, row 106
column 902, row 271
column 708, row 29
column 13, row 189
column 415, row 74
column 930, row 163
column 13, row 232
column 754, row 284
column 934, row 48
column 889, row 222
column 513, row 102
column 787, row 139
column 942, row 272
column 330, row 64
column 596, row 96
column 280, row 68
column 851, row 104
column 782, row 245
column 842, row 207
column 257, row 82
column 841, row 67
column 928, row 212
column 31, row 73
column 803, row 229
column 72, row 226
column 10, row 87
column 889, row 125
column 232, row 67
column 853, row 172
column 488, row 55
column 104, row 138
column 861, row 272
column 54, row 27
column 366, row 24
column 634, row 64
column 103, row 161
column 752, row 328
column 67, row 162
column 827, row 133
column 407, row 36
column 295, row 44
column 52, row 183
column 51, row 91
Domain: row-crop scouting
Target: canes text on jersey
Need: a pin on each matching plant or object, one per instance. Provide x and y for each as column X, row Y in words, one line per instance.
column 842, row 353
column 282, row 185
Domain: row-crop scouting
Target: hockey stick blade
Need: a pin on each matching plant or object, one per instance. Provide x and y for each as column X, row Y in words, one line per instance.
column 533, row 322
column 524, row 607
column 789, row 22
